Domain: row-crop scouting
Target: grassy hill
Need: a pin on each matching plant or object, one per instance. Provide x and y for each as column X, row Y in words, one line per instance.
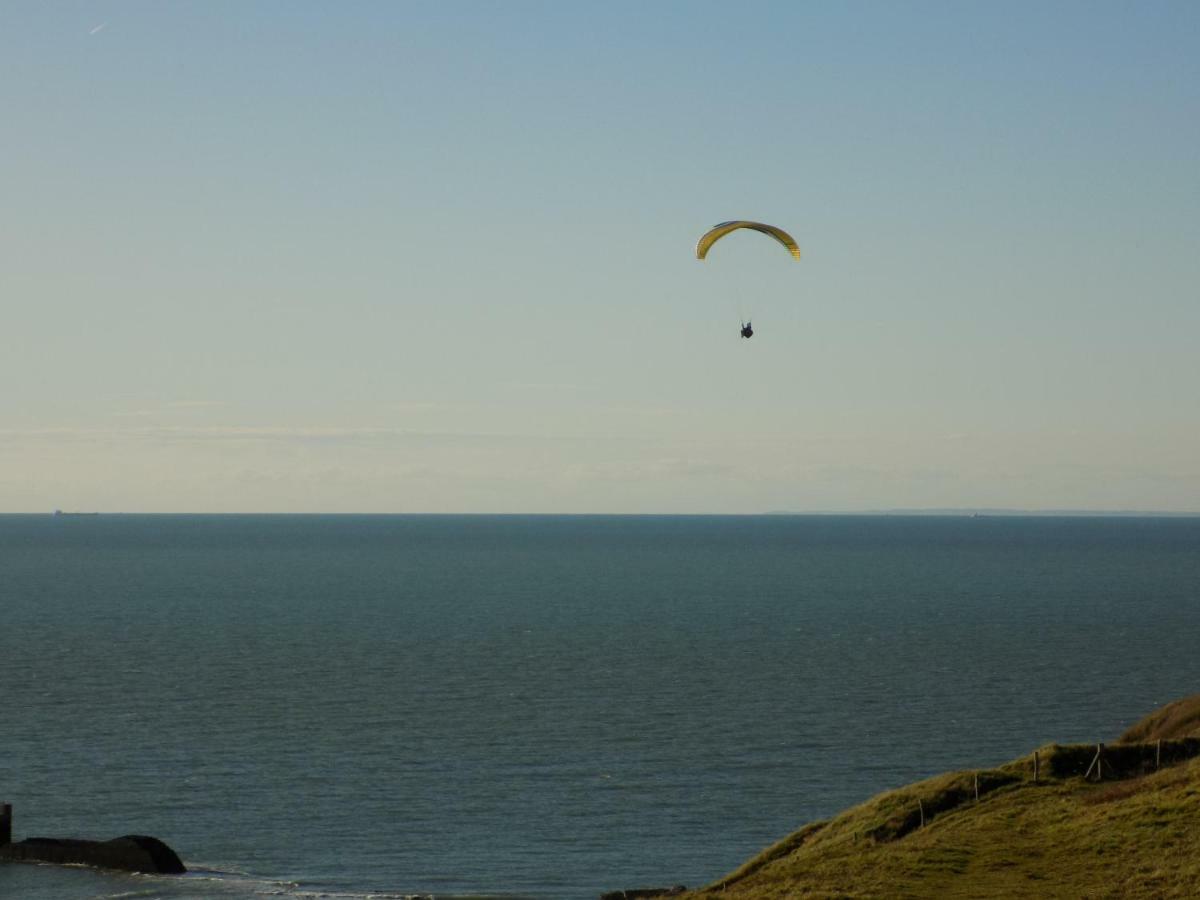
column 1134, row 833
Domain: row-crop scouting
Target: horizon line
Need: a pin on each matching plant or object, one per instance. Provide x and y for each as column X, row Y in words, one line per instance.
column 947, row 512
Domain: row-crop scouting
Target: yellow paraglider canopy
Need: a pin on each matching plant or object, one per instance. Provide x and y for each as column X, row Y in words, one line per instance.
column 719, row 231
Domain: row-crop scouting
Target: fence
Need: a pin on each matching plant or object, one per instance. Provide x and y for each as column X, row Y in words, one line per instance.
column 1092, row 762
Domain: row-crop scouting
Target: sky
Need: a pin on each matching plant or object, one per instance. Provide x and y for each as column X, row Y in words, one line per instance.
column 408, row 257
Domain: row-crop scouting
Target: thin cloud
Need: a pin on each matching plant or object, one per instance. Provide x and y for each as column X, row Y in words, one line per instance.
column 245, row 433
column 361, row 435
column 305, row 433
column 650, row 470
column 195, row 404
column 416, row 407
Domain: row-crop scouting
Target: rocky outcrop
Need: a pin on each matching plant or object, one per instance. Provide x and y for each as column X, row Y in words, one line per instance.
column 132, row 853
column 640, row 893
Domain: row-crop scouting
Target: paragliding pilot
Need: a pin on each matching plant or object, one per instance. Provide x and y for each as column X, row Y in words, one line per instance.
column 747, row 331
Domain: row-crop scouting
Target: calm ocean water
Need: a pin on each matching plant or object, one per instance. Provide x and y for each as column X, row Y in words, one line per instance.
column 545, row 707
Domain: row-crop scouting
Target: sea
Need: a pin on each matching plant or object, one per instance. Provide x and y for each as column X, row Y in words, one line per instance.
column 545, row 706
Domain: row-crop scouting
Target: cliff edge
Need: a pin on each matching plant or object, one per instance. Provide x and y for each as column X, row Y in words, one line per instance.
column 1115, row 821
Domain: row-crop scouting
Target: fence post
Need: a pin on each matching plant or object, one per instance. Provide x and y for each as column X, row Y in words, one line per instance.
column 921, row 809
column 1037, row 765
column 1157, row 754
column 976, row 787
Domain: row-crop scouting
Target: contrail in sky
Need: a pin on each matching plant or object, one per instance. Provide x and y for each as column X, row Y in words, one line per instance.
column 99, row 28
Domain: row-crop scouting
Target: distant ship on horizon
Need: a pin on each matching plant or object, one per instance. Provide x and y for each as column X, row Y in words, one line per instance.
column 59, row 512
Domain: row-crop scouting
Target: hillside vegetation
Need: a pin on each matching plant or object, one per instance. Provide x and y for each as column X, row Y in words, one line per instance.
column 1133, row 833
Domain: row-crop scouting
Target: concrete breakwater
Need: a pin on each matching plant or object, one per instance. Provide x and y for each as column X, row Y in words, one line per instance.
column 131, row 853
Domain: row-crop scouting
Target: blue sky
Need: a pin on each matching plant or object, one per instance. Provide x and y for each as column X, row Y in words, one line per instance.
column 406, row 257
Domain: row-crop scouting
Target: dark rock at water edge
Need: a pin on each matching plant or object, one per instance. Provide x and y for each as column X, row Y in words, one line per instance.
column 132, row 853
column 639, row 893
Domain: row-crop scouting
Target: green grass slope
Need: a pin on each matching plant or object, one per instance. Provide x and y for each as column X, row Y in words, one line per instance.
column 1135, row 833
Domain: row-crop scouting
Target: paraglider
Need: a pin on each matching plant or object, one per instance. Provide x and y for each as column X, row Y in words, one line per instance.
column 717, row 232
